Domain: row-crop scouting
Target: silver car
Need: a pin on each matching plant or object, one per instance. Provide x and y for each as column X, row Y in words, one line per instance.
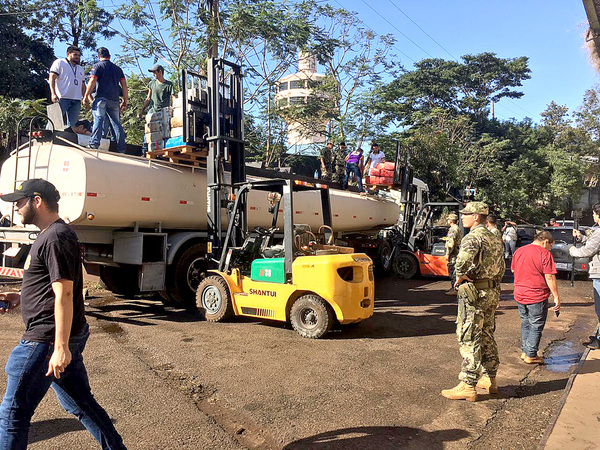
column 563, row 240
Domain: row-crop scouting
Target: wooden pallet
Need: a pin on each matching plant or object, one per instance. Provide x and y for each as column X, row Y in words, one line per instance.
column 184, row 154
column 379, row 187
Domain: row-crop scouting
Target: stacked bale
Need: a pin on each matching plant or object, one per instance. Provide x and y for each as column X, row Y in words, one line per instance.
column 158, row 129
column 381, row 175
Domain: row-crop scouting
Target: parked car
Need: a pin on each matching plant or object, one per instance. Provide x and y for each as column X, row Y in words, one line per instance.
column 526, row 233
column 563, row 240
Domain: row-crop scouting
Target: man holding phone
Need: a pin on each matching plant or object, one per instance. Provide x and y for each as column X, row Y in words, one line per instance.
column 50, row 352
column 535, row 279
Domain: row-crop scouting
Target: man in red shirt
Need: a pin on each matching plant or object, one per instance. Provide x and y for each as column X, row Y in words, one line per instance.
column 535, row 279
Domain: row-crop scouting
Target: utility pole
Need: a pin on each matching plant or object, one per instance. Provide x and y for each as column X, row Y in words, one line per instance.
column 213, row 34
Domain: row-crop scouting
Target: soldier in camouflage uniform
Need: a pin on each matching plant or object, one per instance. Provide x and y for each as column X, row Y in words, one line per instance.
column 479, row 269
column 339, row 164
column 453, row 239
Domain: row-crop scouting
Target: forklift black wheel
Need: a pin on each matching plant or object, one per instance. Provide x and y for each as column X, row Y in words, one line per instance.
column 405, row 265
column 213, row 299
column 311, row 316
column 383, row 264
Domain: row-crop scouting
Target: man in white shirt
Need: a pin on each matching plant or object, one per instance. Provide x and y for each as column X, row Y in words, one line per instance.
column 67, row 84
column 375, row 157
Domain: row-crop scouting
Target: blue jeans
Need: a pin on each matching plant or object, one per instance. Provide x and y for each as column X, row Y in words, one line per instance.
column 102, row 108
column 596, row 284
column 27, row 384
column 533, row 320
column 353, row 168
column 509, row 248
column 70, row 109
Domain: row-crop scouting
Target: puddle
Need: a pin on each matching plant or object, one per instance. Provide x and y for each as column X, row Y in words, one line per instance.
column 561, row 356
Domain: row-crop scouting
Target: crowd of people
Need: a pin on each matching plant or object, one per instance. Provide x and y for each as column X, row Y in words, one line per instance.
column 106, row 93
column 343, row 164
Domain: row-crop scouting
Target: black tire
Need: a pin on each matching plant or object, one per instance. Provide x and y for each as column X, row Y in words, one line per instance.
column 167, row 299
column 405, row 265
column 311, row 316
column 185, row 274
column 383, row 264
column 122, row 280
column 213, row 299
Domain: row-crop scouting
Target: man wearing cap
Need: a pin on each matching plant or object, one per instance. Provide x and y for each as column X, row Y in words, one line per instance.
column 339, row 164
column 67, row 85
column 159, row 92
column 479, row 269
column 453, row 239
column 110, row 82
column 50, row 352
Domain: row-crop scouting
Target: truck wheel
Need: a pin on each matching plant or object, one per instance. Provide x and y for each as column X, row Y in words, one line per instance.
column 311, row 316
column 166, row 299
column 185, row 274
column 213, row 299
column 384, row 260
column 120, row 280
column 405, row 265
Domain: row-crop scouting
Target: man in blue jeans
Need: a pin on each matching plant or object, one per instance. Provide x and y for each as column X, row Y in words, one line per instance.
column 535, row 279
column 591, row 249
column 67, row 85
column 109, row 81
column 50, row 352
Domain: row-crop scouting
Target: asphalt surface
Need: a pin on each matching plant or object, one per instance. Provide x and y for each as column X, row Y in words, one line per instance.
column 170, row 381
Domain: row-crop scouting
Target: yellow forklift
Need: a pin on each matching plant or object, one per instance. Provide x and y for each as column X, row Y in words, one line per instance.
column 301, row 278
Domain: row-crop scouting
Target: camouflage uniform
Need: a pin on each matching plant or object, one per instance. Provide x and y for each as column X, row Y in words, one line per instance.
column 453, row 239
column 339, row 165
column 327, row 155
column 480, row 258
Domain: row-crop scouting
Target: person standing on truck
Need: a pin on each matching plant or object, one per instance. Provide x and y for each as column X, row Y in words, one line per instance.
column 479, row 269
column 326, row 161
column 110, row 82
column 67, row 85
column 50, row 352
column 509, row 236
column 535, row 279
column 339, row 164
column 453, row 239
column 159, row 91
column 375, row 157
column 591, row 249
column 354, row 164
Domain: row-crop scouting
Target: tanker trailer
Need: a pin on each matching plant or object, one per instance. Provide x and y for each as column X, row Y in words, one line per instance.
column 143, row 223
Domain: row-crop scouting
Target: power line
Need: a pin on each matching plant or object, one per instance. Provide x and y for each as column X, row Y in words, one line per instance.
column 396, row 28
column 427, row 34
column 405, row 55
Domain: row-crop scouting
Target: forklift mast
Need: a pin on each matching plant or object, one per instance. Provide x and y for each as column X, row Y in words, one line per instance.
column 403, row 177
column 225, row 141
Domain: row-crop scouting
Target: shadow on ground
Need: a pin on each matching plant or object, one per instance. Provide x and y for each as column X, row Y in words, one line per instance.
column 47, row 429
column 379, row 438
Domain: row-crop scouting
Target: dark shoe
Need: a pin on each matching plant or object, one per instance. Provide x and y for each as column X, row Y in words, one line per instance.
column 594, row 345
column 90, row 147
column 591, row 339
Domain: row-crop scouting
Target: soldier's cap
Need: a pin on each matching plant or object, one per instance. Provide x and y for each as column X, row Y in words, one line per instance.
column 31, row 188
column 452, row 216
column 157, row 68
column 475, row 208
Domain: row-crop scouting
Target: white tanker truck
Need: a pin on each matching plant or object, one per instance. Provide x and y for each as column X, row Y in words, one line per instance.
column 143, row 223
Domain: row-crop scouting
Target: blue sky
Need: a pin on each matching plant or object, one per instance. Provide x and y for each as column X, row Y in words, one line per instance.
column 549, row 32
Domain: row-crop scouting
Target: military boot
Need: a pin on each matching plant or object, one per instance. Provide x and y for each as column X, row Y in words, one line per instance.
column 462, row 391
column 489, row 384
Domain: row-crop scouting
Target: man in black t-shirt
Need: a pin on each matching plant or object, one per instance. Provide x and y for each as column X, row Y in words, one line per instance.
column 50, row 352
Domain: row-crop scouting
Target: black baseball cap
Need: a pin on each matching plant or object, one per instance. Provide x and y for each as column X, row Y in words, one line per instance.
column 31, row 188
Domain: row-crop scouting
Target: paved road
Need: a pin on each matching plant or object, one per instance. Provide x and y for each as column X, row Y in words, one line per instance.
column 171, row 382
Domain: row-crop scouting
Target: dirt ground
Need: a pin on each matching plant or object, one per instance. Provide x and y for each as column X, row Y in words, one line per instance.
column 170, row 381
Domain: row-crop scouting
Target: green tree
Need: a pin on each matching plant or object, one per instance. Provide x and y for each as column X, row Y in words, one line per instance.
column 11, row 112
column 24, row 61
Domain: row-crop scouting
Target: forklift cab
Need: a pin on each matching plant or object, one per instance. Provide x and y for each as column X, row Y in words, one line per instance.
column 265, row 255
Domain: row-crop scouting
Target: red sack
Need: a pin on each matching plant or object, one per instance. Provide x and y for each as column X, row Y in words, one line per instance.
column 386, row 173
column 386, row 181
column 389, row 166
column 381, row 166
column 375, row 180
column 367, row 180
column 374, row 172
